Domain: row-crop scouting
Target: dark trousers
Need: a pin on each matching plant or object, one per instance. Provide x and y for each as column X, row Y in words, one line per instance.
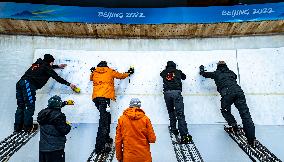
column 25, row 95
column 53, row 156
column 104, row 122
column 240, row 103
column 175, row 106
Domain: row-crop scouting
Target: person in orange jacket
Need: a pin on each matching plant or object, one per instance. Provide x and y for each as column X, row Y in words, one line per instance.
column 134, row 132
column 103, row 90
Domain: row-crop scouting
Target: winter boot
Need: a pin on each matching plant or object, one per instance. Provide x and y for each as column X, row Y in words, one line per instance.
column 99, row 151
column 18, row 128
column 31, row 129
column 235, row 129
column 28, row 129
column 186, row 139
column 107, row 149
column 251, row 142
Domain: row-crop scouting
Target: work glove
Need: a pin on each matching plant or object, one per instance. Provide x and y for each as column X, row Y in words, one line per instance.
column 131, row 70
column 62, row 66
column 67, row 122
column 92, row 69
column 75, row 88
column 201, row 69
column 69, row 102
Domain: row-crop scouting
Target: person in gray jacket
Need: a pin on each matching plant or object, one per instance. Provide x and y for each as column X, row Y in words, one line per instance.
column 53, row 131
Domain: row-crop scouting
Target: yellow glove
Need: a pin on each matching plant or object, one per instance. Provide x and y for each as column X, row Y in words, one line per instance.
column 77, row 89
column 67, row 122
column 69, row 102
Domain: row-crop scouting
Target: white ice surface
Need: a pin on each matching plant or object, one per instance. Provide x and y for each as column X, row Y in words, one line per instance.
column 262, row 70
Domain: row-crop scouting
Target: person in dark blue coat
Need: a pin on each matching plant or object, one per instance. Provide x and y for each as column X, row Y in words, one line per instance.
column 53, row 131
column 33, row 79
column 231, row 93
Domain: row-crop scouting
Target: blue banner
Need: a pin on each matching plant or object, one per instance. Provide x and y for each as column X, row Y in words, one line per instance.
column 213, row 14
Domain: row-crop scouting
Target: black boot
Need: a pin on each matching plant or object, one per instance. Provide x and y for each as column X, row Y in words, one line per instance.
column 99, row 150
column 251, row 142
column 18, row 128
column 234, row 129
column 29, row 129
column 107, row 149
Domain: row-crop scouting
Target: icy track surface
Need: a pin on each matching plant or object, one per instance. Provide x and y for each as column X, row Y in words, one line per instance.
column 212, row 141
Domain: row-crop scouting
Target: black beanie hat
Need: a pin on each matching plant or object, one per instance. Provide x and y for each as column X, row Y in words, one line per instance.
column 48, row 58
column 55, row 102
column 102, row 64
column 171, row 64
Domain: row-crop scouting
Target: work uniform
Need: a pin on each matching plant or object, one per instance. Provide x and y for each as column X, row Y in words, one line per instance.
column 33, row 79
column 232, row 93
column 53, row 131
column 172, row 87
column 134, row 132
column 103, row 92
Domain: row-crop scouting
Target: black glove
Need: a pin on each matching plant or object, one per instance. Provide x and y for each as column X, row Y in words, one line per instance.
column 92, row 69
column 131, row 70
column 201, row 69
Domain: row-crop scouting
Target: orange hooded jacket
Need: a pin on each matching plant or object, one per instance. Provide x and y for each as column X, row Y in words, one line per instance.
column 134, row 132
column 103, row 82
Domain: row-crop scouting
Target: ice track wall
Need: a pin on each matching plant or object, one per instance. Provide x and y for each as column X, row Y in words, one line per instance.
column 264, row 95
column 260, row 73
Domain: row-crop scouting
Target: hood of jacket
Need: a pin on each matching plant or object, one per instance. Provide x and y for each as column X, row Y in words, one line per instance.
column 40, row 61
column 101, row 70
column 134, row 113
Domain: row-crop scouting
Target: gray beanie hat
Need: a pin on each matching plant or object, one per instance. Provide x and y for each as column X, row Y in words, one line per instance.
column 55, row 102
column 135, row 102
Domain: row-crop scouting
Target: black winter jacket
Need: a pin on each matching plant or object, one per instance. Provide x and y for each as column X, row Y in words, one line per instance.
column 172, row 77
column 225, row 80
column 53, row 129
column 39, row 73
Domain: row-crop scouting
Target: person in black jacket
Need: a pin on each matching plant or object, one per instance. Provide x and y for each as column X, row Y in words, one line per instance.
column 231, row 92
column 33, row 79
column 172, row 87
column 53, row 131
